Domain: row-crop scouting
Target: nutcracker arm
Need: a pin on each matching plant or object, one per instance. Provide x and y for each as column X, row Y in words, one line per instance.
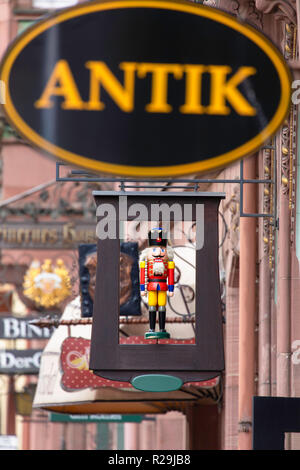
column 171, row 268
column 142, row 276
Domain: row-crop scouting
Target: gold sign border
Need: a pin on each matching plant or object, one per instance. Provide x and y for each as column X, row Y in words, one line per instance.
column 173, row 170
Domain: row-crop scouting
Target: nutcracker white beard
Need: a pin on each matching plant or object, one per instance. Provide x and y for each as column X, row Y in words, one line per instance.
column 158, row 268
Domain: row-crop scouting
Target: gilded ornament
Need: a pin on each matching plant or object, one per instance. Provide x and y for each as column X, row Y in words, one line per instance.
column 47, row 285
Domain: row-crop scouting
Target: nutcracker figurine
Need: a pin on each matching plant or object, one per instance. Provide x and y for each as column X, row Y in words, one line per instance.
column 157, row 279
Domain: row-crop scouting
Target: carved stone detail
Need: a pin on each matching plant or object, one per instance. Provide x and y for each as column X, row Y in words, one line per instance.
column 284, row 10
column 288, row 128
column 233, row 206
column 292, row 179
column 288, row 46
column 267, row 196
column 253, row 10
column 245, row 10
column 285, row 157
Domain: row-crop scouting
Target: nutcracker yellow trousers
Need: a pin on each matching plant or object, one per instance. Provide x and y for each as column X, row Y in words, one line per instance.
column 157, row 298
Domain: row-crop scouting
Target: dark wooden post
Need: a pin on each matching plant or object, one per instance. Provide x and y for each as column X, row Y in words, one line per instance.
column 204, row 427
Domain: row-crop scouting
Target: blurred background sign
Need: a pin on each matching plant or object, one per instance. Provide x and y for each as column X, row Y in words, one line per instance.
column 46, row 235
column 19, row 361
column 94, row 418
column 20, row 328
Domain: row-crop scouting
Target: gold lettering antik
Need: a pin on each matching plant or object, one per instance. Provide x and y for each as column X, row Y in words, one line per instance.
column 224, row 95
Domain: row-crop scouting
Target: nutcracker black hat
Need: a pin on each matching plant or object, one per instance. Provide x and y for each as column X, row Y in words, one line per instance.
column 157, row 237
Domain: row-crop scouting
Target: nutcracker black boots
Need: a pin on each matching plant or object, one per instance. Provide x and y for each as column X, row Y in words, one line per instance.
column 162, row 318
column 152, row 318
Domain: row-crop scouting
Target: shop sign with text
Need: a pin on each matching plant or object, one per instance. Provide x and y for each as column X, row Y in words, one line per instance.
column 145, row 88
column 46, row 235
column 19, row 361
column 20, row 328
column 99, row 418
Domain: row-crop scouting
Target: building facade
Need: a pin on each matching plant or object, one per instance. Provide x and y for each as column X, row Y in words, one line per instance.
column 258, row 257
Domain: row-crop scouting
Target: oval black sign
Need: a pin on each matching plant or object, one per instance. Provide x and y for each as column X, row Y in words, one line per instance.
column 145, row 87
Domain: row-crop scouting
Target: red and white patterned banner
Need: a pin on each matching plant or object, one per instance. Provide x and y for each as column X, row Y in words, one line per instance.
column 74, row 360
